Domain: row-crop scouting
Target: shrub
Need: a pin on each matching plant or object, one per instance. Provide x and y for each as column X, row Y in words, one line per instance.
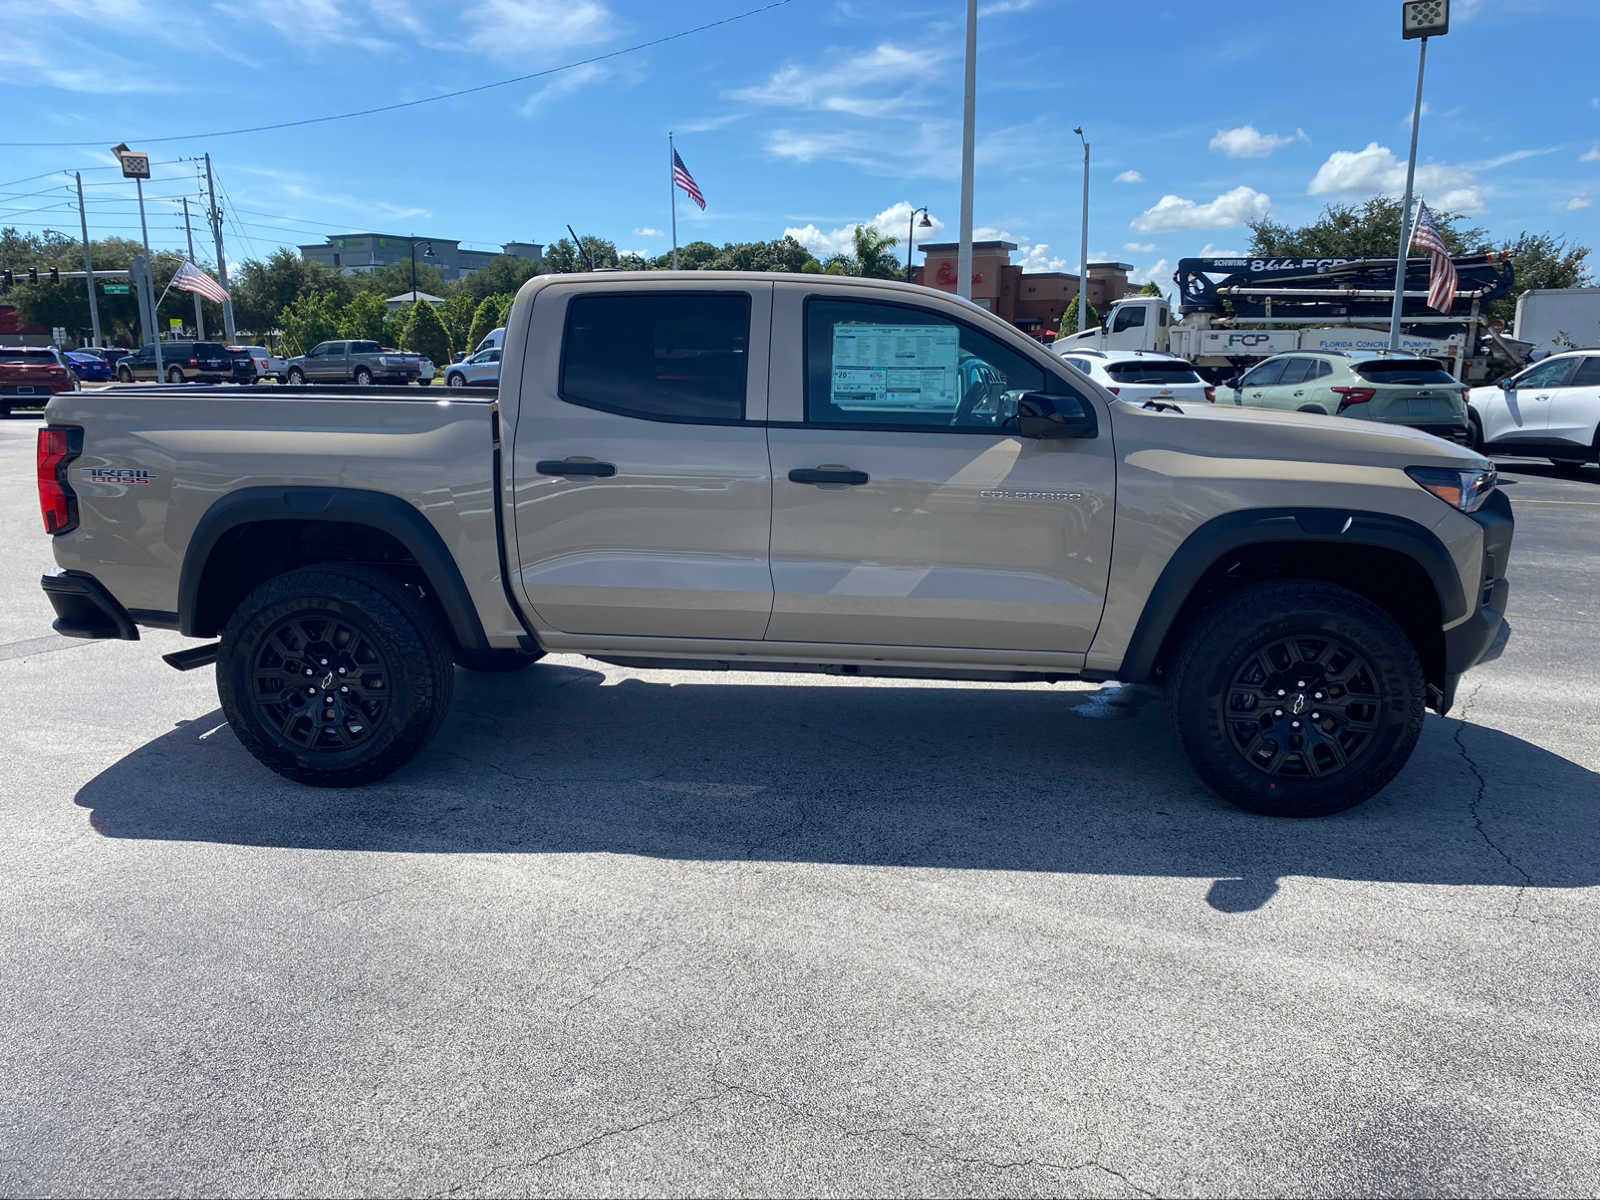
column 425, row 333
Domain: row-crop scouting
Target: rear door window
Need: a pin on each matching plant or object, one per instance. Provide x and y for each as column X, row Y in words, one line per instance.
column 364, row 347
column 1152, row 372
column 1588, row 374
column 1297, row 370
column 1414, row 372
column 660, row 356
column 32, row 358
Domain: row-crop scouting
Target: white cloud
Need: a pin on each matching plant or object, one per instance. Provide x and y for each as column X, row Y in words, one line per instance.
column 707, row 124
column 1238, row 207
column 1580, row 202
column 999, row 8
column 1427, row 110
column 1592, row 154
column 1038, row 258
column 1467, row 201
column 806, row 147
column 1139, row 247
column 646, row 231
column 873, row 83
column 1249, row 142
column 1130, row 176
column 1210, row 251
column 1376, row 169
column 891, row 222
column 1159, row 271
column 535, row 29
column 564, row 84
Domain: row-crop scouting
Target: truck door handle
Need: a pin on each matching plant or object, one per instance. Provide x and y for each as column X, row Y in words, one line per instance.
column 567, row 466
column 827, row 475
column 1299, row 393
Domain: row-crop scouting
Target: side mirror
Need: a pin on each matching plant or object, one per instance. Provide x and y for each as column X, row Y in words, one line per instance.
column 1234, row 383
column 1506, row 385
column 1042, row 416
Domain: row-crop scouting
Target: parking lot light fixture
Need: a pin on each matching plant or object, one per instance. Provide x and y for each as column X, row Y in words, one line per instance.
column 912, row 225
column 427, row 252
column 1418, row 19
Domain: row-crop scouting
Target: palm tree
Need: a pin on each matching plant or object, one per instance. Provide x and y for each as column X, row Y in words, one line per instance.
column 874, row 255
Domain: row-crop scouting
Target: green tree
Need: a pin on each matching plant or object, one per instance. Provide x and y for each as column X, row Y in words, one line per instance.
column 840, row 264
column 504, row 313
column 456, row 314
column 811, row 267
column 563, row 258
column 1069, row 319
column 503, row 273
column 262, row 290
column 1367, row 230
column 395, row 278
column 310, row 318
column 1150, row 289
column 425, row 333
column 874, row 253
column 363, row 317
column 1541, row 260
column 394, row 326
column 483, row 320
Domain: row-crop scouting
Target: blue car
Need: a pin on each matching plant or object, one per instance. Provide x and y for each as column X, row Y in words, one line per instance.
column 89, row 368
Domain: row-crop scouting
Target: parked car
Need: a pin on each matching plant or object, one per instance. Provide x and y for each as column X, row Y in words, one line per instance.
column 89, row 368
column 752, row 470
column 425, row 370
column 481, row 370
column 1550, row 410
column 353, row 362
column 1401, row 391
column 244, row 366
column 1141, row 375
column 31, row 375
column 112, row 354
column 267, row 364
column 181, row 362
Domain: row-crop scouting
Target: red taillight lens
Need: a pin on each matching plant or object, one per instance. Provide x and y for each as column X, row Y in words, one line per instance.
column 1349, row 395
column 1115, row 391
column 1466, row 396
column 58, row 446
column 194, row 362
column 1211, row 395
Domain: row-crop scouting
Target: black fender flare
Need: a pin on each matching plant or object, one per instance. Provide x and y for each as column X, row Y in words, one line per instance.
column 378, row 510
column 1230, row 532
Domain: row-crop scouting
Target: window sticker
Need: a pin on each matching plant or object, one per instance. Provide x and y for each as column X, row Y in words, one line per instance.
column 896, row 368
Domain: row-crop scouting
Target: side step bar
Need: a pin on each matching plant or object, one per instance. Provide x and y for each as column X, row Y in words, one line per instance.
column 194, row 656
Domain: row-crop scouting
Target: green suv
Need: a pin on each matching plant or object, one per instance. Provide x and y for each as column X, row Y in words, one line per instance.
column 1403, row 391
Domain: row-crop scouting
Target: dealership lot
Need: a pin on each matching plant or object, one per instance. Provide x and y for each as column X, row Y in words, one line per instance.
column 623, row 931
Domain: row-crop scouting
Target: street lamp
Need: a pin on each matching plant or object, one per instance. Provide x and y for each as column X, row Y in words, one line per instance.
column 1418, row 19
column 1083, row 258
column 428, row 253
column 911, row 229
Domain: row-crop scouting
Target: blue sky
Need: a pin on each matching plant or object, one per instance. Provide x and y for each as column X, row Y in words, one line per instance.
column 807, row 118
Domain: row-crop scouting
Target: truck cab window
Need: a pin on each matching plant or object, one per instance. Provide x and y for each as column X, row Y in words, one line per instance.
column 1128, row 317
column 660, row 356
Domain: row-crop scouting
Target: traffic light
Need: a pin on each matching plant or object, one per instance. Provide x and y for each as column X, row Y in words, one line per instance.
column 33, row 274
column 55, row 274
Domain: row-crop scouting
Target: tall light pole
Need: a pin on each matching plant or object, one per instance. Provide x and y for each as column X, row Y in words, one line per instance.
column 964, row 247
column 1083, row 251
column 911, row 229
column 1418, row 19
column 137, row 168
column 428, row 253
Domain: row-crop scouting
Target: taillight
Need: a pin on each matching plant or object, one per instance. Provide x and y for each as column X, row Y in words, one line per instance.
column 1115, row 391
column 1211, row 395
column 58, row 446
column 1466, row 396
column 1349, row 395
column 194, row 362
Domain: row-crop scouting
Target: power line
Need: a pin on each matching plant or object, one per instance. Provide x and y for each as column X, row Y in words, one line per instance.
column 482, row 87
column 70, row 170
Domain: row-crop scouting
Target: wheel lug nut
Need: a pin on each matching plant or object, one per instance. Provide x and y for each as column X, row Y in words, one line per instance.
column 1298, row 682
column 1319, row 694
column 1277, row 712
column 1316, row 716
column 308, row 671
column 1280, row 690
column 1294, row 724
column 344, row 689
column 325, row 663
column 311, row 691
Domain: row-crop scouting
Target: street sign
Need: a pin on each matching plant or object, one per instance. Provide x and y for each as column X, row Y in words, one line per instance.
column 58, row 335
column 114, row 289
column 176, row 323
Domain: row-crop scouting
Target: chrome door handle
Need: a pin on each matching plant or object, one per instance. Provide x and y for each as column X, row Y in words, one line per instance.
column 827, row 475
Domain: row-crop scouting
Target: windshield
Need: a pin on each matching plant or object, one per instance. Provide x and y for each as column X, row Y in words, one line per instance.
column 1408, row 371
column 1152, row 372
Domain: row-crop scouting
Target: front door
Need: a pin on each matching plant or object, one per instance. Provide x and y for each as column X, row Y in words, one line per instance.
column 1573, row 408
column 1255, row 388
column 905, row 512
column 1524, row 413
column 642, row 491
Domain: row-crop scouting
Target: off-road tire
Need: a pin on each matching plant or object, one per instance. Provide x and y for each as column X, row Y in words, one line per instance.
column 1230, row 641
column 496, row 662
column 296, row 377
column 395, row 626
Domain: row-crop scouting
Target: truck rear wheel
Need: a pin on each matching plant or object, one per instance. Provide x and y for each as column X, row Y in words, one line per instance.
column 1297, row 698
column 334, row 676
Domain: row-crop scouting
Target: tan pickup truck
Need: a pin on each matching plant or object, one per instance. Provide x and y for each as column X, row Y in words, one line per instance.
column 738, row 471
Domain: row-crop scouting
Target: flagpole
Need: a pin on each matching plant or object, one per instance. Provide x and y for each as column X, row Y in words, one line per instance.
column 1405, row 209
column 672, row 186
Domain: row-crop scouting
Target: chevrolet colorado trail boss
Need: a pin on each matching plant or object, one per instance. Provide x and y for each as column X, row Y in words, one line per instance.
column 744, row 471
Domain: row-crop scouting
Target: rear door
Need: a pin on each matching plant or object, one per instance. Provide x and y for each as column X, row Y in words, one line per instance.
column 905, row 513
column 1574, row 408
column 642, row 490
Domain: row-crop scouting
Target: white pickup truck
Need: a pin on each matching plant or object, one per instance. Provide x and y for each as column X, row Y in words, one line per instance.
column 722, row 470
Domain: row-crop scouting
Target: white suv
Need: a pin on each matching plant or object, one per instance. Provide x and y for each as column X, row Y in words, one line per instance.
column 1549, row 410
column 1140, row 375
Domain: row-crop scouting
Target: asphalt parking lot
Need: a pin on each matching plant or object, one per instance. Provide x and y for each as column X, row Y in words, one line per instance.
column 623, row 932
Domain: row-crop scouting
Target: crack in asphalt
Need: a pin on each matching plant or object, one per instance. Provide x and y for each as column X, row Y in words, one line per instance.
column 608, row 976
column 1475, row 804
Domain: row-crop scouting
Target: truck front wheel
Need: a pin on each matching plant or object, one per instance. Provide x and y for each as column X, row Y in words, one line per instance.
column 1297, row 698
column 334, row 676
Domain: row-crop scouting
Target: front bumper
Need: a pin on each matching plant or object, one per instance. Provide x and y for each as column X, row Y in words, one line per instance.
column 84, row 609
column 1482, row 636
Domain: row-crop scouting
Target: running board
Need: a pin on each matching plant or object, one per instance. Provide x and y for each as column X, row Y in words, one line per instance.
column 194, row 656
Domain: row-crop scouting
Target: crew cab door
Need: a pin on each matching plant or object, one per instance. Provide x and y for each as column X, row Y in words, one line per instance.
column 642, row 492
column 905, row 511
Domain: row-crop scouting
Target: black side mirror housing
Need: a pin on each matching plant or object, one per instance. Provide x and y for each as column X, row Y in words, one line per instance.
column 1043, row 416
column 1506, row 384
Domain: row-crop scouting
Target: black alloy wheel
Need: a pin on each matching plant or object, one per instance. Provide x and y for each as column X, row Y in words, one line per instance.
column 321, row 683
column 1303, row 706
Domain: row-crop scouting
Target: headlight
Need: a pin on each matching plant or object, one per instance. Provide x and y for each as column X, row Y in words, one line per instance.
column 1465, row 488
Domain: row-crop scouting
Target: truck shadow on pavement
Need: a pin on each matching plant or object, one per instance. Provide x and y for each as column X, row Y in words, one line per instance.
column 560, row 760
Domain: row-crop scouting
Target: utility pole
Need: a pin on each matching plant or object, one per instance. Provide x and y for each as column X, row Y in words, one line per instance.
column 222, row 261
column 1083, row 260
column 88, row 270
column 964, row 246
column 199, row 315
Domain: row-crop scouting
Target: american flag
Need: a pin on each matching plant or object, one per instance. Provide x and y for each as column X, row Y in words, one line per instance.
column 191, row 278
column 681, row 177
column 1442, row 279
